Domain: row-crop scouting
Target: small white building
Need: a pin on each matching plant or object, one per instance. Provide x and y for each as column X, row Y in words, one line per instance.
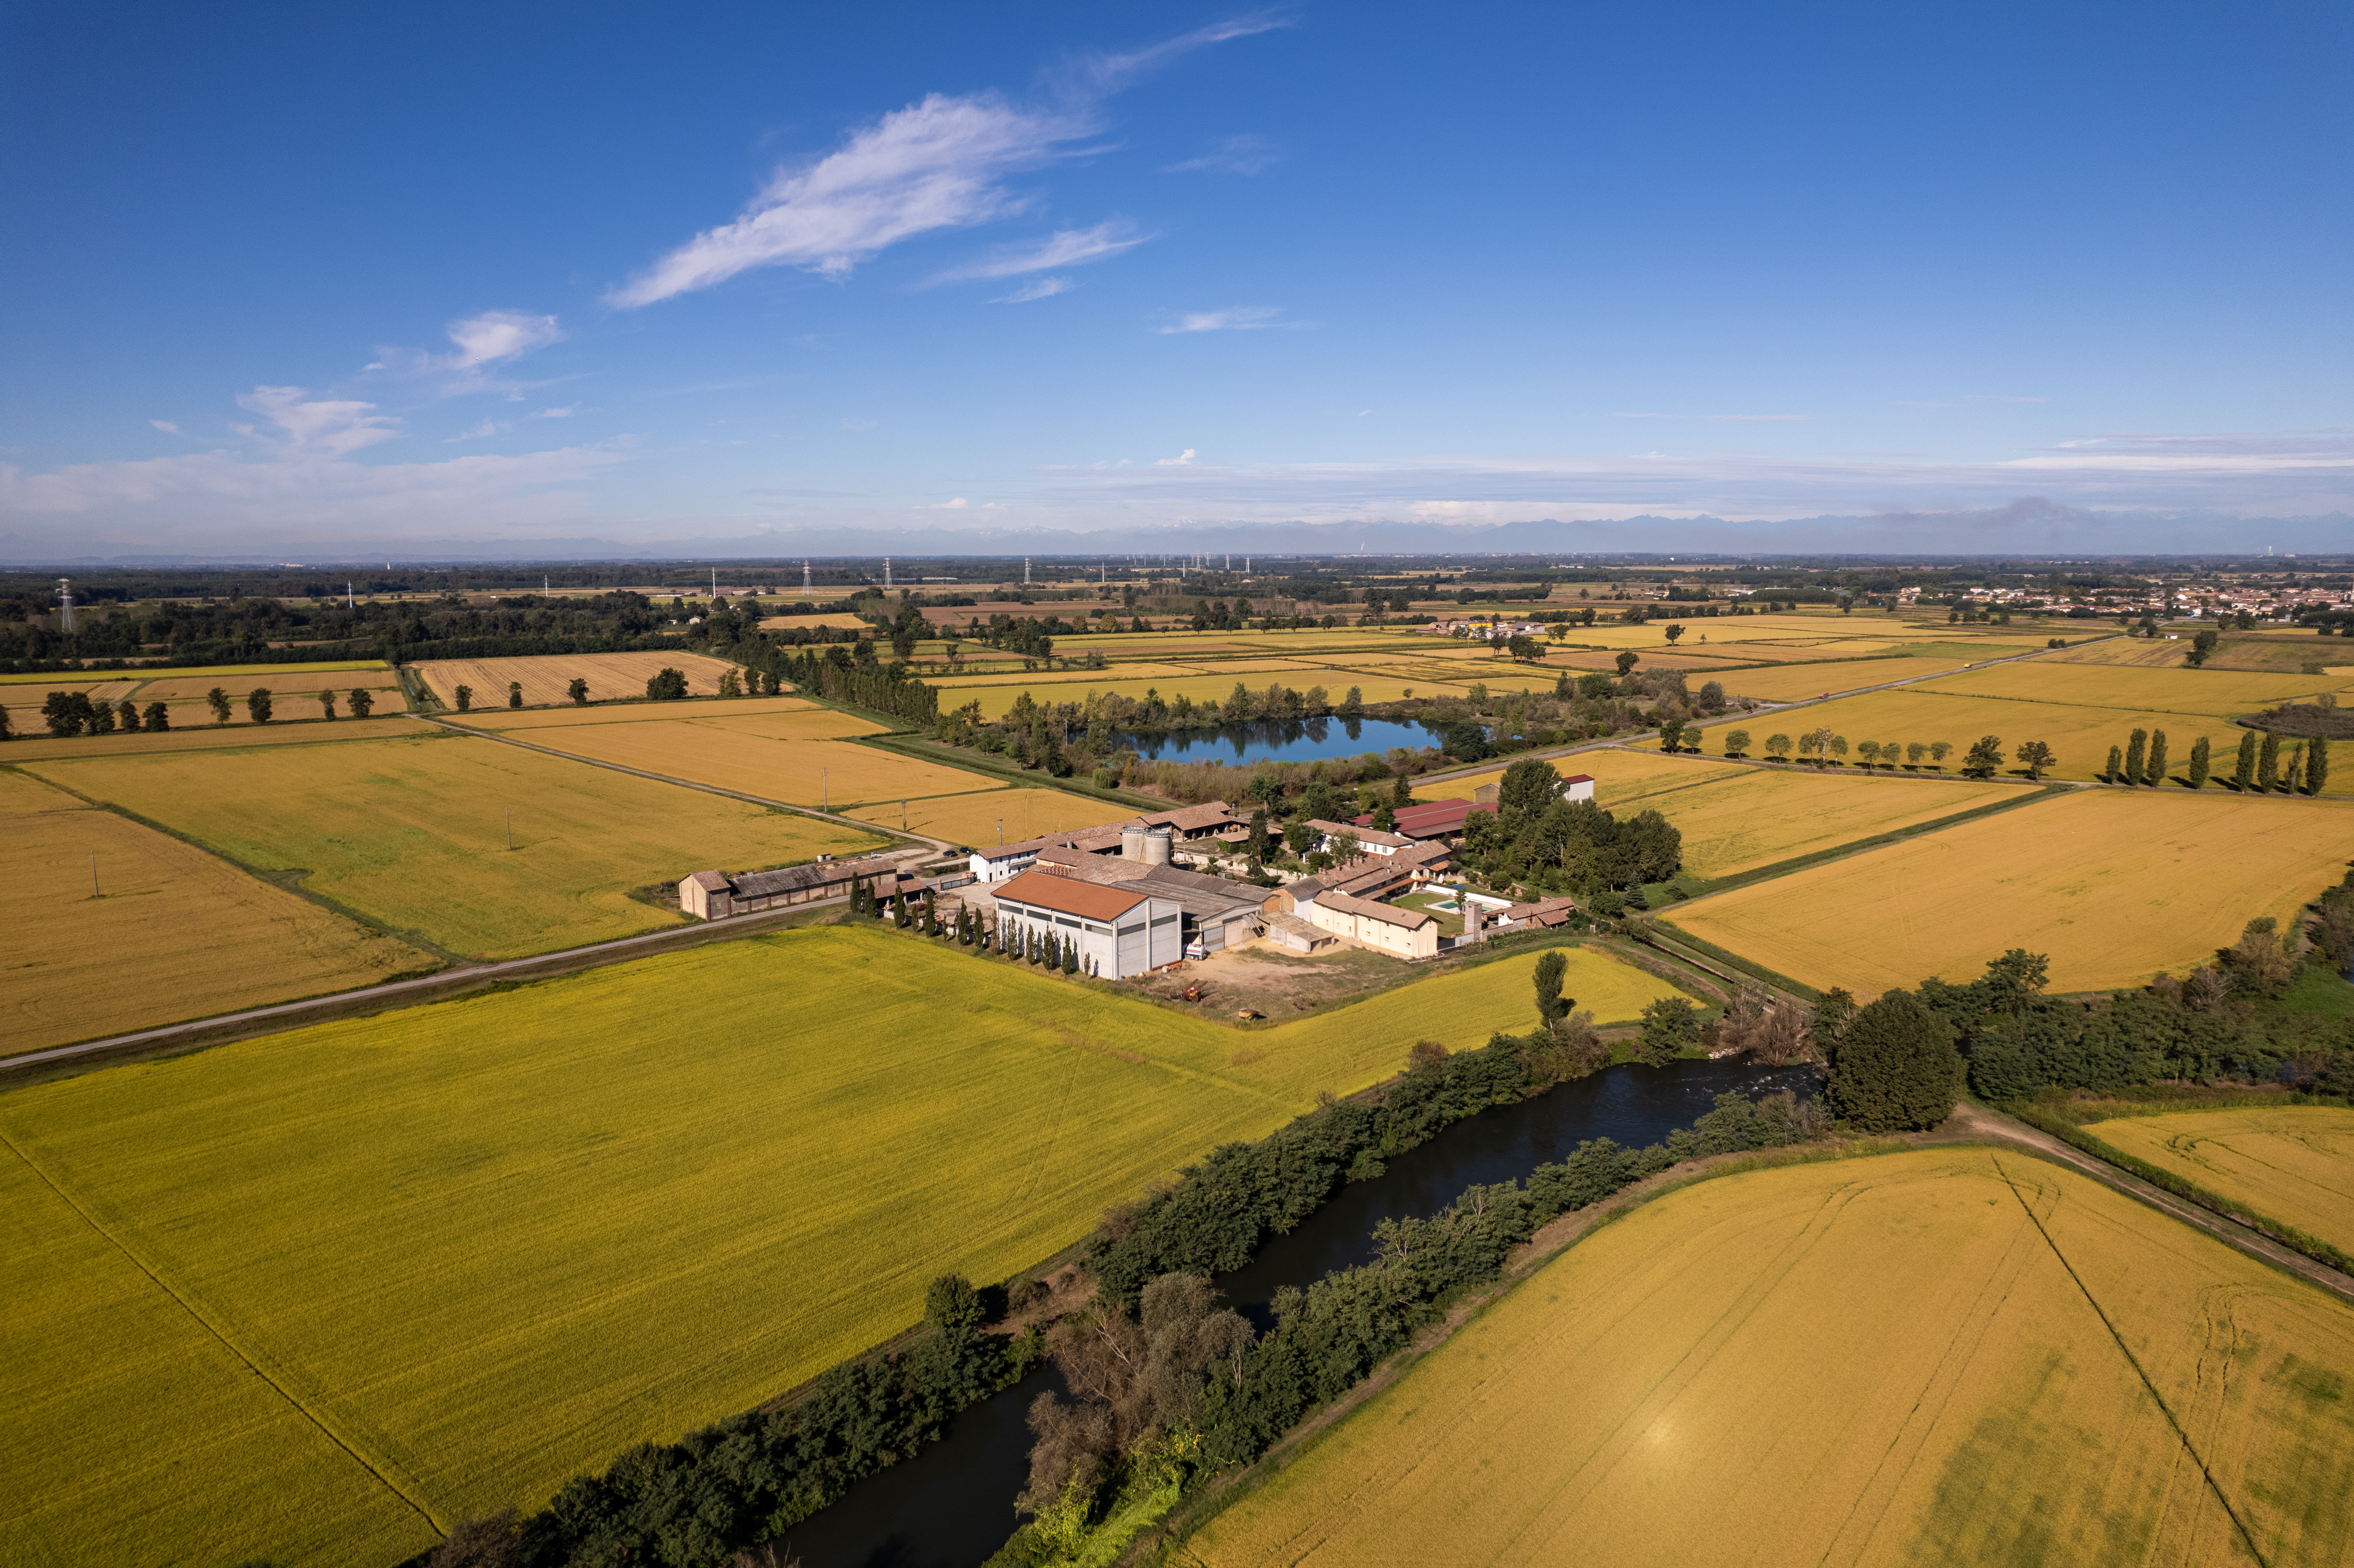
column 1373, row 840
column 1120, row 931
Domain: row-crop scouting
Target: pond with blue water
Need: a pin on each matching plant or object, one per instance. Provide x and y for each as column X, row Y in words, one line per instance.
column 1276, row 740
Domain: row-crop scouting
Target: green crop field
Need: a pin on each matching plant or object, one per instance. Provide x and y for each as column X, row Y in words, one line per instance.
column 1877, row 1361
column 492, row 1242
column 412, row 833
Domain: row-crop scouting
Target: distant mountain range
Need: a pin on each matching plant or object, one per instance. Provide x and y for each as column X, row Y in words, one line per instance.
column 2025, row 528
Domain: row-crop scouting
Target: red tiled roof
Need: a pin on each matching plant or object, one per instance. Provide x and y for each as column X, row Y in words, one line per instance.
column 1089, row 900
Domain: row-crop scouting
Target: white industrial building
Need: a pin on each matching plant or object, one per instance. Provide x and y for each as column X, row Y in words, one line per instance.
column 1120, row 931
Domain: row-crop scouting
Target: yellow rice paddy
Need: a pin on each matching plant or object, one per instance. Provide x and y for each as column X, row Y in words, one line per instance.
column 2290, row 1163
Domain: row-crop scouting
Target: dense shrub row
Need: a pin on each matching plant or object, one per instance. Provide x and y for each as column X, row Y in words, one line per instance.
column 695, row 1502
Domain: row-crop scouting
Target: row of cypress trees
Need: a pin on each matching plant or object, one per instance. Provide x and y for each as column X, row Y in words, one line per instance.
column 2258, row 770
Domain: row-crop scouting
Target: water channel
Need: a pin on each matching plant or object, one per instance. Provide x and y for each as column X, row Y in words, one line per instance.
column 1275, row 740
column 951, row 1505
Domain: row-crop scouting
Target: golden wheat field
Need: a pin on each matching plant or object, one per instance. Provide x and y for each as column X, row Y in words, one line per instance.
column 1871, row 1362
column 784, row 716
column 546, row 677
column 412, row 833
column 975, row 819
column 306, row 729
column 2291, row 1163
column 2215, row 693
column 293, row 688
column 170, row 933
column 2115, row 886
column 2079, row 735
column 735, row 754
column 1735, row 819
column 493, row 1241
column 210, row 675
column 2152, row 654
column 1796, row 682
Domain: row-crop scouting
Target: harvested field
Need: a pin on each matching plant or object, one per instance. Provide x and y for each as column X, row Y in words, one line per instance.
column 974, row 818
column 740, row 754
column 2290, row 1163
column 208, row 737
column 295, row 693
column 412, row 833
column 495, row 1241
column 1666, row 1392
column 546, row 677
column 837, row 620
column 174, row 933
column 2115, row 886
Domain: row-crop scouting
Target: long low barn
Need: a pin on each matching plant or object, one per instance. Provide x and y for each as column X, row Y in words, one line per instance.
column 716, row 895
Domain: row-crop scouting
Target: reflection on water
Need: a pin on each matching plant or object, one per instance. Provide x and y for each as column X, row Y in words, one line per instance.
column 1275, row 740
column 951, row 1505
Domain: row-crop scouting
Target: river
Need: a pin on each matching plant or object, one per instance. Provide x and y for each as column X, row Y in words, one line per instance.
column 951, row 1505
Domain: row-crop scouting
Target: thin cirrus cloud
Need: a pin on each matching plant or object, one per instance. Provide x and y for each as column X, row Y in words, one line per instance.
column 1235, row 155
column 1043, row 289
column 1063, row 248
column 165, row 426
column 1238, row 318
column 938, row 165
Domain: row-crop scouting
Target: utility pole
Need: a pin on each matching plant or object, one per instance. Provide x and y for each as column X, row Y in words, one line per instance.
column 510, row 827
column 824, row 800
column 93, row 874
column 715, row 582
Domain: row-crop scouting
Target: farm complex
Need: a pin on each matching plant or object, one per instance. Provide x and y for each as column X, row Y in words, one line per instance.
column 693, row 1040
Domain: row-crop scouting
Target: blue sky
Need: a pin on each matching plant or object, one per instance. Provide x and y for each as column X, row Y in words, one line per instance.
column 315, row 278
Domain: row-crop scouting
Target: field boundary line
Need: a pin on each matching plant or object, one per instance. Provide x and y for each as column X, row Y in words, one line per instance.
column 227, row 1343
column 2206, row 1473
column 939, row 845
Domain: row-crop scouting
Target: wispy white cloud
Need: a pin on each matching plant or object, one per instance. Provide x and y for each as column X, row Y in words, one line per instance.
column 1065, row 248
column 933, row 166
column 1235, row 155
column 1238, row 318
column 1105, row 72
column 497, row 335
column 564, row 413
column 1043, row 289
column 303, row 426
column 957, row 503
column 940, row 163
column 488, row 428
column 1182, row 460
column 165, row 426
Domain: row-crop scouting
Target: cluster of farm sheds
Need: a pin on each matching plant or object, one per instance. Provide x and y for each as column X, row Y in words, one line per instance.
column 1121, row 893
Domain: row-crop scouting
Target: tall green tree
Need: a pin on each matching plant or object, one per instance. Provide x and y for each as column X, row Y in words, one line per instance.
column 1736, row 743
column 1529, row 786
column 1984, row 759
column 2137, row 748
column 159, row 719
column 257, row 705
column 2038, row 757
column 218, row 700
column 2153, row 772
column 514, row 694
column 362, row 700
column 1896, row 1069
column 1551, row 1004
column 2200, row 647
column 465, row 695
column 2268, row 763
column 577, row 691
column 2244, row 772
column 2316, row 765
column 1669, row 1026
column 1401, row 792
column 326, row 704
column 2196, row 775
column 2115, row 773
column 127, row 712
